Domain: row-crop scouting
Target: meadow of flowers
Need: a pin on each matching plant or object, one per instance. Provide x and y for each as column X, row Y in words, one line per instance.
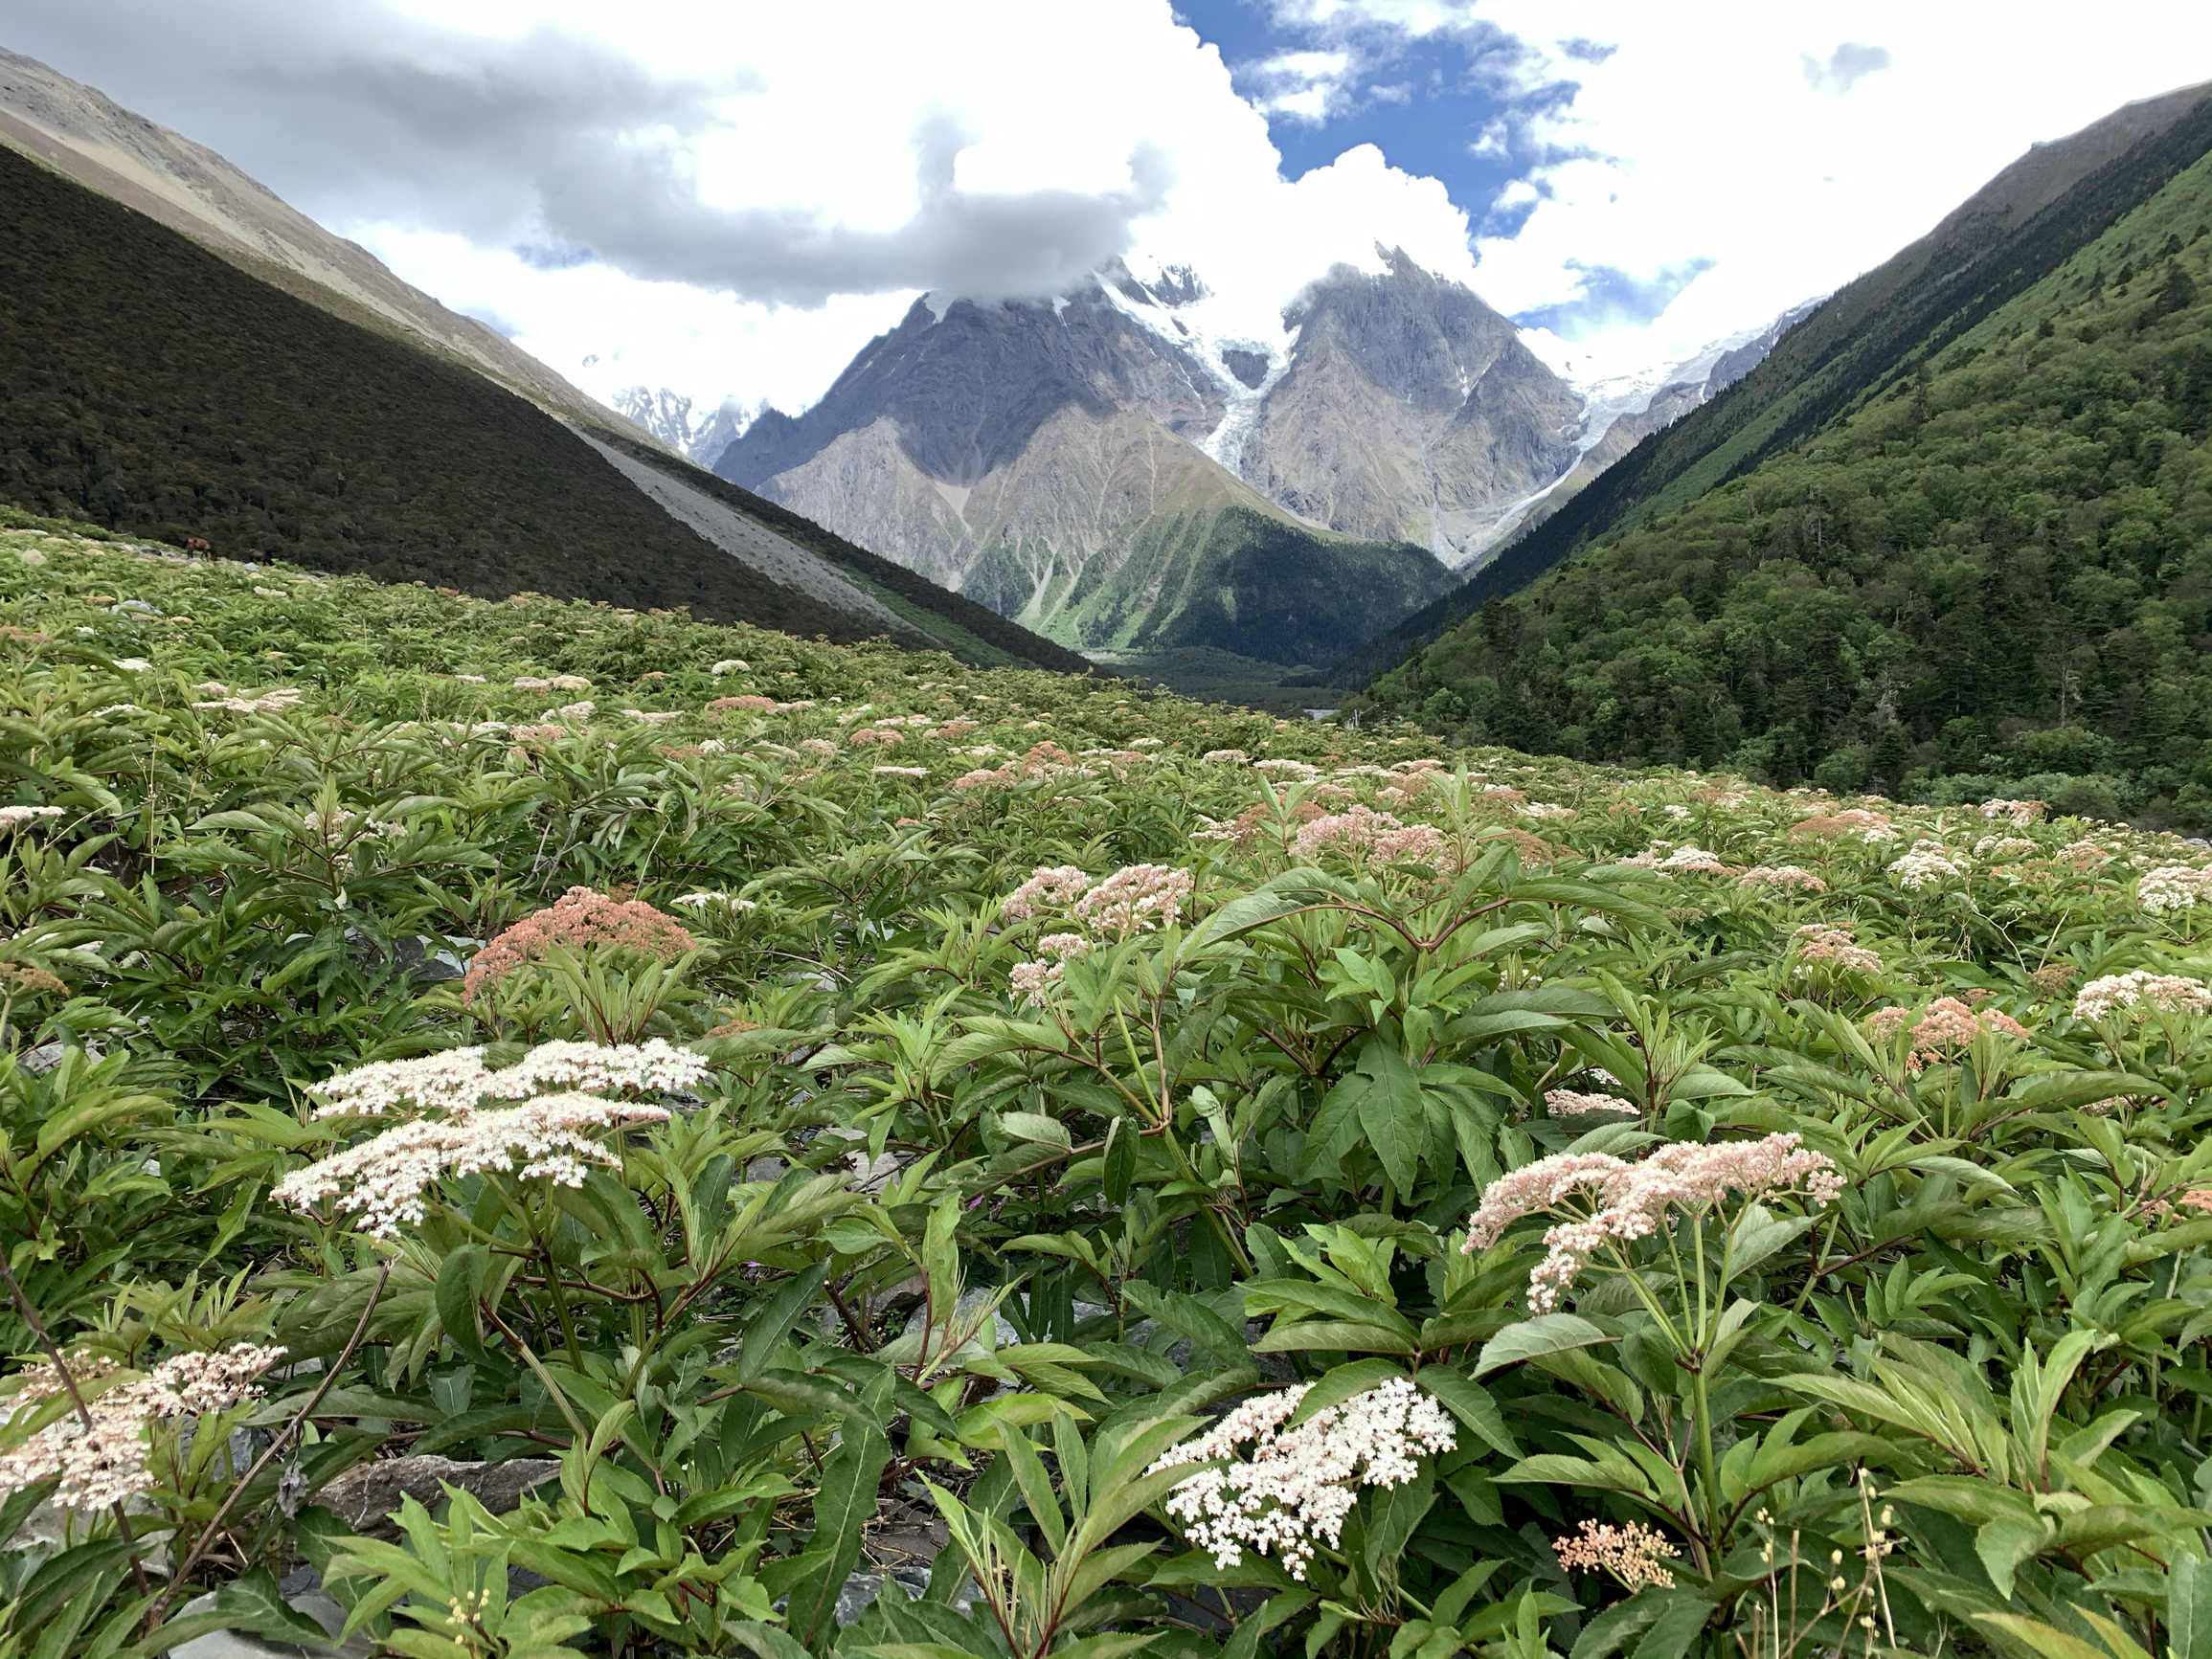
column 1095, row 1173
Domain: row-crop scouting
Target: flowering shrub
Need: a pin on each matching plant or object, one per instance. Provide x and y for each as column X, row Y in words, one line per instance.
column 578, row 920
column 1039, row 1220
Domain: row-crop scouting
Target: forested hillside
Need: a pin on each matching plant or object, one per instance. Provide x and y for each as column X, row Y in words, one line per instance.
column 1993, row 577
column 2010, row 235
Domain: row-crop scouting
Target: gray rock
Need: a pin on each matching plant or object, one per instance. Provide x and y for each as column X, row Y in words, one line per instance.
column 367, row 1498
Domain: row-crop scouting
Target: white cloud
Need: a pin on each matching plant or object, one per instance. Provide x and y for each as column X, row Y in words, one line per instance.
column 1752, row 154
column 1713, row 141
column 1060, row 99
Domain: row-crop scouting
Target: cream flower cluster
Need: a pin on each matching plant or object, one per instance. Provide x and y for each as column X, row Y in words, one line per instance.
column 1565, row 1102
column 382, row 1181
column 106, row 1462
column 2173, row 888
column 457, row 1080
column 1614, row 1202
column 274, row 701
column 2118, row 993
column 1632, row 1554
column 1301, row 1485
column 16, row 817
column 1923, row 866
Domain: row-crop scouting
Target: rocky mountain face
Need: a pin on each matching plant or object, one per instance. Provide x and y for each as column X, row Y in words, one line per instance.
column 1409, row 411
column 1088, row 464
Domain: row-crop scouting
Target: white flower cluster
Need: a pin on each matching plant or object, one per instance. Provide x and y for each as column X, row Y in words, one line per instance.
column 457, row 1080
column 731, row 665
column 2117, row 992
column 2173, row 888
column 2002, row 848
column 106, row 1462
column 558, row 682
column 382, row 1181
column 1301, row 1485
column 16, row 817
column 1922, row 867
column 274, row 701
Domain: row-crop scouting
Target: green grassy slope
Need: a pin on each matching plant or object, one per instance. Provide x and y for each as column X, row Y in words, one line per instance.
column 1226, row 579
column 1994, row 577
column 1910, row 309
column 149, row 386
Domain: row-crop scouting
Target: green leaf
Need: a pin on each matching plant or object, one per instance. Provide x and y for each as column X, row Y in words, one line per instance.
column 1533, row 1339
column 1471, row 1404
column 767, row 1328
column 2004, row 1544
column 1391, row 1113
column 1192, row 1318
column 1282, row 1607
column 1619, row 1625
column 1676, row 1630
column 459, row 1278
column 2189, row 1607
column 769, row 1643
column 842, row 1509
column 1120, row 1160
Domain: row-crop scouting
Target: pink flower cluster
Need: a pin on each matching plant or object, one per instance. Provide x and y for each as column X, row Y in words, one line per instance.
column 106, row 1462
column 578, row 920
column 1050, row 890
column 2019, row 812
column 1032, row 979
column 1363, row 831
column 1607, row 1201
column 1135, row 900
column 2132, row 992
column 1632, row 1554
column 1817, row 946
column 382, row 1181
column 1944, row 1028
column 457, row 1080
column 274, row 701
column 1300, row 1485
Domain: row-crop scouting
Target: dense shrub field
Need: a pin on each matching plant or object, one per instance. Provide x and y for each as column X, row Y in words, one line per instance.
column 1213, row 1184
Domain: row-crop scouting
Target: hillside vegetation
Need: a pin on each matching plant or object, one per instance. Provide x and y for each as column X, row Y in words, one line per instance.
column 1119, row 1176
column 151, row 386
column 1991, row 579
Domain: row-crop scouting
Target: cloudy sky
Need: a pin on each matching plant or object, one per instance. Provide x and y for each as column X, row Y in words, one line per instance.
column 726, row 198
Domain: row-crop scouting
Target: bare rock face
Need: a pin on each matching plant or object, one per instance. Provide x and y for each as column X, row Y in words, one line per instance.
column 1411, row 412
column 366, row 1497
